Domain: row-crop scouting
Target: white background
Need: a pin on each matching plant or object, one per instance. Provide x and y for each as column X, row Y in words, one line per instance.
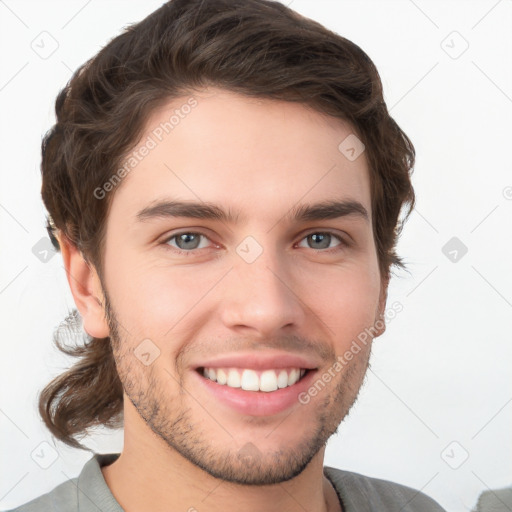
column 439, row 389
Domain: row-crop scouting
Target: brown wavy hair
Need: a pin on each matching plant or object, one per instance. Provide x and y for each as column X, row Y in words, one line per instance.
column 259, row 48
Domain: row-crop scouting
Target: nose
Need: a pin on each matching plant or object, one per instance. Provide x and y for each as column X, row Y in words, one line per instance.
column 260, row 297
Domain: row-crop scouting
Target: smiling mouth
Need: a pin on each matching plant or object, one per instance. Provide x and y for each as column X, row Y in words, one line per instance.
column 254, row 380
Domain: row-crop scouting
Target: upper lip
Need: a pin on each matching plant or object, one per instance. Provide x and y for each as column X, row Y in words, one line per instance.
column 259, row 361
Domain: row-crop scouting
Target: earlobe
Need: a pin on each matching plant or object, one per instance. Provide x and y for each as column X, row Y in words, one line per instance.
column 86, row 289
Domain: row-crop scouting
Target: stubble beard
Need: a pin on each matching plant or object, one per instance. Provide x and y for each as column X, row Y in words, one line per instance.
column 147, row 389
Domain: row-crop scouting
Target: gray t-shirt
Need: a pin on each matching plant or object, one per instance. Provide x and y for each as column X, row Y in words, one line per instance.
column 357, row 493
column 495, row 500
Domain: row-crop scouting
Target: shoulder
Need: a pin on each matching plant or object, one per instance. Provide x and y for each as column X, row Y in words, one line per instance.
column 363, row 493
column 88, row 492
column 495, row 500
column 62, row 498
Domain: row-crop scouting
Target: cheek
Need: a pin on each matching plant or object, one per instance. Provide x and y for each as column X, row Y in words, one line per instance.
column 151, row 297
column 345, row 300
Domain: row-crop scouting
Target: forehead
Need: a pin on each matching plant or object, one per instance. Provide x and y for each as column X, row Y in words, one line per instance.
column 252, row 155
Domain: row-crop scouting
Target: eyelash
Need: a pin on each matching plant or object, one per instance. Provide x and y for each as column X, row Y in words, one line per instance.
column 342, row 245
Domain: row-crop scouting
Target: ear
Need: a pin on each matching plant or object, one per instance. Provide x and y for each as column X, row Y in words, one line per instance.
column 380, row 322
column 85, row 286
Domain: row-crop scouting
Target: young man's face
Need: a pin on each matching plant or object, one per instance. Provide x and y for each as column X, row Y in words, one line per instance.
column 257, row 285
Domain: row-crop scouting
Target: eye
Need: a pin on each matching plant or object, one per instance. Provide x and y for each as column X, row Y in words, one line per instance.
column 187, row 241
column 322, row 240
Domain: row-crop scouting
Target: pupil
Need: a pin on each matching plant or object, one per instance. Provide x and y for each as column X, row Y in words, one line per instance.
column 321, row 237
column 186, row 241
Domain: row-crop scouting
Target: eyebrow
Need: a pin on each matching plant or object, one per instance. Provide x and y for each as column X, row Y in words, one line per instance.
column 203, row 210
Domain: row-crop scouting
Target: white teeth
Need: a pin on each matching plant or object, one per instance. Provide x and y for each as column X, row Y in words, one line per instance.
column 233, row 379
column 294, row 376
column 250, row 380
column 268, row 381
column 222, row 378
column 282, row 379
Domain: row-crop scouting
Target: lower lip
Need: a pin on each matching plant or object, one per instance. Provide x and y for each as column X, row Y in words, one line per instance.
column 258, row 403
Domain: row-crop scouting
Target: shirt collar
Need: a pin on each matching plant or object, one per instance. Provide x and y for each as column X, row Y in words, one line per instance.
column 94, row 495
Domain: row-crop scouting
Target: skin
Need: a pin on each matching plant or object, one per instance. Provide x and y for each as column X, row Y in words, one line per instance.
column 261, row 158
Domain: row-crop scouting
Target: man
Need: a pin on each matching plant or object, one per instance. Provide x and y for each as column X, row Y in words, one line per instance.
column 224, row 182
